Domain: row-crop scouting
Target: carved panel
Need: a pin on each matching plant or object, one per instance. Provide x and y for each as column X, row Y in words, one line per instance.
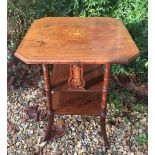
column 76, row 76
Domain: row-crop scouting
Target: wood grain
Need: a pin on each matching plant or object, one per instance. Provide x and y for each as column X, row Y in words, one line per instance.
column 87, row 40
column 77, row 103
column 66, row 41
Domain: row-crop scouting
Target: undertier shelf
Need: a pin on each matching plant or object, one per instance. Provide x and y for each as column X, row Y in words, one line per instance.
column 77, row 103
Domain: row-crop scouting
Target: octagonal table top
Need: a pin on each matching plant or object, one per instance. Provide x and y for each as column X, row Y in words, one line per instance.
column 89, row 40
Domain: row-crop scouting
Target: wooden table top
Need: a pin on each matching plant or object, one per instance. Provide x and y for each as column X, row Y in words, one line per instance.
column 89, row 40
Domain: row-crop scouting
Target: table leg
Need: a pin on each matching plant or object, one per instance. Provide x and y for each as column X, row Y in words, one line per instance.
column 48, row 132
column 103, row 107
column 52, row 131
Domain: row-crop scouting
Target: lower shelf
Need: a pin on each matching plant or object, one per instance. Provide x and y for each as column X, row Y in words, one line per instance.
column 77, row 103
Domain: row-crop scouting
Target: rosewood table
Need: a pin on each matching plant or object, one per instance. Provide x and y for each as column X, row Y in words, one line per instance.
column 77, row 47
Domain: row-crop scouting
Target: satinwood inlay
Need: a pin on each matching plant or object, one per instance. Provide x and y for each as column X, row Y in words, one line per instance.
column 89, row 40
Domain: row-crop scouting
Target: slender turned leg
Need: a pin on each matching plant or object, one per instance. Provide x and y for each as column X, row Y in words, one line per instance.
column 103, row 107
column 48, row 132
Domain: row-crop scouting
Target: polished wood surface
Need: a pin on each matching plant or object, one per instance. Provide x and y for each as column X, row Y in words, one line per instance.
column 50, row 113
column 88, row 40
column 77, row 46
column 76, row 76
column 77, row 103
column 104, row 105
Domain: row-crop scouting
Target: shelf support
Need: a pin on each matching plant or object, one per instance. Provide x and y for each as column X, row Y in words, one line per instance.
column 103, row 106
column 48, row 132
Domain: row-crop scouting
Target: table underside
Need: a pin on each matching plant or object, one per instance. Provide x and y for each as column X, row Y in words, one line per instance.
column 76, row 90
column 68, row 101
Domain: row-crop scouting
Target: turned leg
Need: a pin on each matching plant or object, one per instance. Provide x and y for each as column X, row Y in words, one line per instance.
column 48, row 132
column 103, row 106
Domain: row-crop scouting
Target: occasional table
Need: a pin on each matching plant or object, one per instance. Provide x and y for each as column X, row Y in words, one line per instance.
column 78, row 47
